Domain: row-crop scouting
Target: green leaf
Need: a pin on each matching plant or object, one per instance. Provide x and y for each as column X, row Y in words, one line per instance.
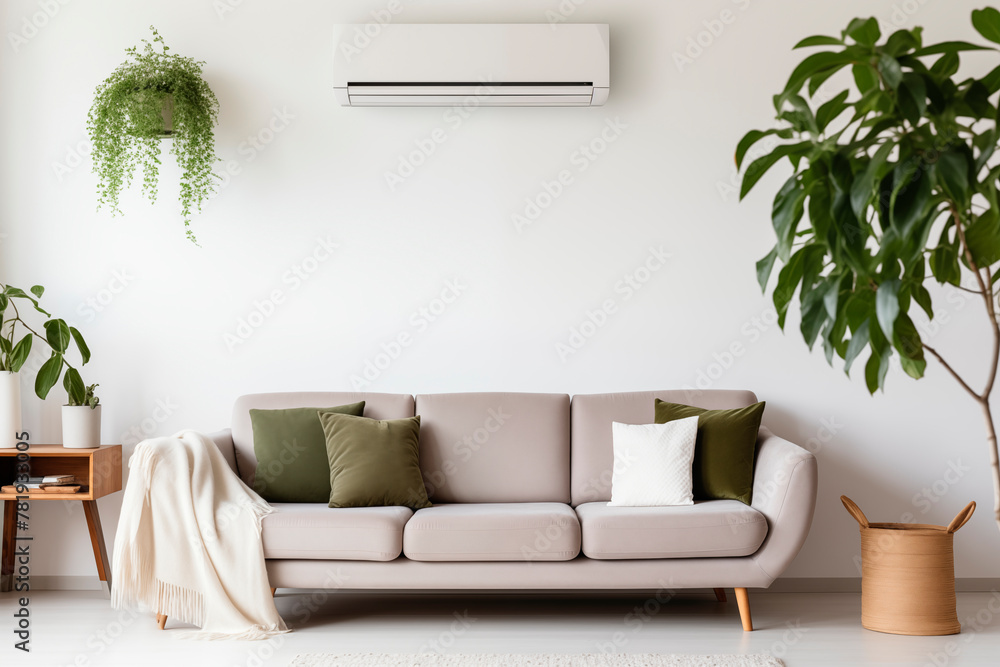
column 876, row 370
column 81, row 345
column 19, row 354
column 751, row 138
column 912, row 97
column 38, row 290
column 830, row 110
column 946, row 65
column 890, row 70
column 945, row 266
column 953, row 175
column 983, row 238
column 859, row 307
column 987, row 144
column 831, row 297
column 857, row 344
column 765, row 266
column 74, row 386
column 761, row 165
column 910, row 196
column 863, row 188
column 818, row 40
column 788, row 280
column 914, row 367
column 817, row 80
column 814, row 64
column 864, row 31
column 58, row 335
column 786, row 213
column 948, row 47
column 900, row 42
column 864, row 77
column 887, row 305
column 992, row 80
column 906, row 340
column 923, row 299
column 977, row 98
column 986, row 21
column 48, row 374
column 814, row 316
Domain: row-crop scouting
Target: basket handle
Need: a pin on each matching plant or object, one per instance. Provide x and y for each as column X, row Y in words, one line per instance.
column 962, row 518
column 856, row 512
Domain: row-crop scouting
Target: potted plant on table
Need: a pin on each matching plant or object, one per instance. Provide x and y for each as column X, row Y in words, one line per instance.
column 81, row 416
column 895, row 183
column 14, row 353
column 156, row 95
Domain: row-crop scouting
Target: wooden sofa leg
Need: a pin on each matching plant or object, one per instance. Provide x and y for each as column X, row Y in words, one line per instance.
column 720, row 594
column 743, row 600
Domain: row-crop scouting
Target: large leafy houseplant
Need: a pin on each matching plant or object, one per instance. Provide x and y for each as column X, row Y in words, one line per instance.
column 17, row 335
column 128, row 120
column 894, row 184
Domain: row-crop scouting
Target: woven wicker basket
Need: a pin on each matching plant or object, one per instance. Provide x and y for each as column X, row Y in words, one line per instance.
column 908, row 575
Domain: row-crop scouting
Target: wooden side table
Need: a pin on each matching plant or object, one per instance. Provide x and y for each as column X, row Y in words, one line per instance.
column 98, row 470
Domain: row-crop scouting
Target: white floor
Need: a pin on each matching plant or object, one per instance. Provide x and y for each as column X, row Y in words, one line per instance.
column 79, row 629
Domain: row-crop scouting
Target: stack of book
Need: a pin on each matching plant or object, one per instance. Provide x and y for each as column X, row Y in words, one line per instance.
column 46, row 484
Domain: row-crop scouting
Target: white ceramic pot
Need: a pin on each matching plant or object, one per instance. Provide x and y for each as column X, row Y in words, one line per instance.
column 10, row 409
column 81, row 426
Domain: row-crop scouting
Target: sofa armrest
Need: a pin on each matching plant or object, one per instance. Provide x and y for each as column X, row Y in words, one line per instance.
column 784, row 491
column 224, row 441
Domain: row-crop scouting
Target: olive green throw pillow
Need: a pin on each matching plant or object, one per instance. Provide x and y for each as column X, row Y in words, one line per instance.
column 725, row 449
column 291, row 453
column 374, row 463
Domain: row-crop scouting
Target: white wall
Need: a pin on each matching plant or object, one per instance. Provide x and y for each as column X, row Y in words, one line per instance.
column 662, row 184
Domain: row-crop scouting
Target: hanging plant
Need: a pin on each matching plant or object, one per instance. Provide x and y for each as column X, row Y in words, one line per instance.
column 153, row 96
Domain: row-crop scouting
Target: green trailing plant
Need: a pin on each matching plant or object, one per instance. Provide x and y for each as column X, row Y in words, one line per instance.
column 126, row 124
column 894, row 184
column 58, row 337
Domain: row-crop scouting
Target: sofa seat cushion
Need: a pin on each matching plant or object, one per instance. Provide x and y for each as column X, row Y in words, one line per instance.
column 493, row 532
column 317, row 532
column 709, row 528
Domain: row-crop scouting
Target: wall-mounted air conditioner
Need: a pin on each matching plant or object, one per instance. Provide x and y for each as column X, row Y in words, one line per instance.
column 513, row 64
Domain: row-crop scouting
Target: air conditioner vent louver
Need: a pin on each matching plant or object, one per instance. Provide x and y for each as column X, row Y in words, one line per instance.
column 482, row 64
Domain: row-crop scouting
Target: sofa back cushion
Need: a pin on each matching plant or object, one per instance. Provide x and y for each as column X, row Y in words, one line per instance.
column 495, row 447
column 377, row 406
column 592, row 414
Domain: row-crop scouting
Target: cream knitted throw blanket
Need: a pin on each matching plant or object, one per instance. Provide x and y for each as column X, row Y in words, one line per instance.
column 188, row 542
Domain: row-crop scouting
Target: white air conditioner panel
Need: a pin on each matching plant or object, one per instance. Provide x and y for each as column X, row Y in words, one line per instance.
column 498, row 64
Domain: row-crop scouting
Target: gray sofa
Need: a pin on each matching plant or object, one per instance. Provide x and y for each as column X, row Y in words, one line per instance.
column 520, row 485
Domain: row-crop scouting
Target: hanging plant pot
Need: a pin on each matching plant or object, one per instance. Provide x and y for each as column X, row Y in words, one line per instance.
column 167, row 114
column 155, row 95
column 151, row 114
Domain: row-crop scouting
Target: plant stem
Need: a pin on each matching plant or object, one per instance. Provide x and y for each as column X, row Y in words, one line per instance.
column 954, row 373
column 991, row 441
column 986, row 288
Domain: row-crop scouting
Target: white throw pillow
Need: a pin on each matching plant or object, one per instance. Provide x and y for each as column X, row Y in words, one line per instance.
column 653, row 463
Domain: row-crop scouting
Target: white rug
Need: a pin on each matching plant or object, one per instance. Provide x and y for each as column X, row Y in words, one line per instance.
column 528, row 660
